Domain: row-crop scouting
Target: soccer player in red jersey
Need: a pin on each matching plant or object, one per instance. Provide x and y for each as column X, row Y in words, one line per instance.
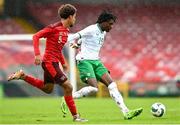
column 56, row 36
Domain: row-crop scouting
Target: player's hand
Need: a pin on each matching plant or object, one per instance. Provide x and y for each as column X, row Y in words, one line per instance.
column 74, row 45
column 37, row 60
column 65, row 68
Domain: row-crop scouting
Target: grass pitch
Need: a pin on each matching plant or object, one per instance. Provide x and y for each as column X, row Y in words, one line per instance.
column 96, row 110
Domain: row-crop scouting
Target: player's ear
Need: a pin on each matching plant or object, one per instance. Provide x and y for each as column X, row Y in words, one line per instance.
column 70, row 17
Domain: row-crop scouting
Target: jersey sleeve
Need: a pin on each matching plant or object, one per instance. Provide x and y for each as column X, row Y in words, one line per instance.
column 41, row 34
column 85, row 32
column 73, row 37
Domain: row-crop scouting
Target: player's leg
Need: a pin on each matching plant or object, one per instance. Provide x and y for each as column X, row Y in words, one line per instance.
column 81, row 93
column 105, row 78
column 61, row 79
column 48, row 82
column 114, row 92
column 87, row 75
column 85, row 91
column 20, row 75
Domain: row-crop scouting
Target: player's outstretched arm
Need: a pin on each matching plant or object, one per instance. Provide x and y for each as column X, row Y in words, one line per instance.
column 42, row 33
column 73, row 37
column 72, row 40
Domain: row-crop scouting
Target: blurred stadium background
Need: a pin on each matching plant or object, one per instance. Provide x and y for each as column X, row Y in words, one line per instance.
column 141, row 51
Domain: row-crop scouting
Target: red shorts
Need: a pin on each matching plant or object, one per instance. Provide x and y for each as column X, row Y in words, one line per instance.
column 53, row 73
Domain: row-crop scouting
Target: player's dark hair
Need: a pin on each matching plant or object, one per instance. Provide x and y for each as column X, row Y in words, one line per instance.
column 66, row 10
column 106, row 16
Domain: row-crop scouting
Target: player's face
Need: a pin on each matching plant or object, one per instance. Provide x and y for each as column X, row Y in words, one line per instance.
column 72, row 20
column 108, row 25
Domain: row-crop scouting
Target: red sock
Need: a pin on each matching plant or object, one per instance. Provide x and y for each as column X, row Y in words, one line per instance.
column 34, row 82
column 71, row 105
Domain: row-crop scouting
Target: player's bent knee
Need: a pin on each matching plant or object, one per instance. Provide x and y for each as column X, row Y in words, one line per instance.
column 93, row 89
column 67, row 87
column 48, row 91
column 48, row 88
column 70, row 88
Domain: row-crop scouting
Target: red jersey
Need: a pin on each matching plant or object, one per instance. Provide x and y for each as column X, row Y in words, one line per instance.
column 56, row 36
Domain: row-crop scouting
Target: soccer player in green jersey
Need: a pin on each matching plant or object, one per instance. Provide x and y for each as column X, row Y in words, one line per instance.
column 90, row 66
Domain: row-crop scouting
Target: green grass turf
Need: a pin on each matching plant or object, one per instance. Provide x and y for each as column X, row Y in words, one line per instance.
column 96, row 110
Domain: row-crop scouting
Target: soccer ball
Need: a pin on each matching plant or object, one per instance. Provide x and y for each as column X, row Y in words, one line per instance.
column 158, row 109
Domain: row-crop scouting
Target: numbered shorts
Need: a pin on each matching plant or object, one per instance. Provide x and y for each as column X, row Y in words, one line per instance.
column 53, row 73
column 91, row 69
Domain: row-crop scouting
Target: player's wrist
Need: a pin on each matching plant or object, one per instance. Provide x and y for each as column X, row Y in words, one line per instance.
column 37, row 56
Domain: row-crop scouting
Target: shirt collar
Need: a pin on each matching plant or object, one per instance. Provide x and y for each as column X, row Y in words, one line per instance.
column 60, row 24
column 99, row 28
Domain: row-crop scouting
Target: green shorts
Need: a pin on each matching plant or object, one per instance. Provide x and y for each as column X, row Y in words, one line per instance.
column 91, row 69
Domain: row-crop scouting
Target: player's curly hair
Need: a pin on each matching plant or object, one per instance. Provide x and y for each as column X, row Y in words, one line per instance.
column 106, row 16
column 66, row 10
